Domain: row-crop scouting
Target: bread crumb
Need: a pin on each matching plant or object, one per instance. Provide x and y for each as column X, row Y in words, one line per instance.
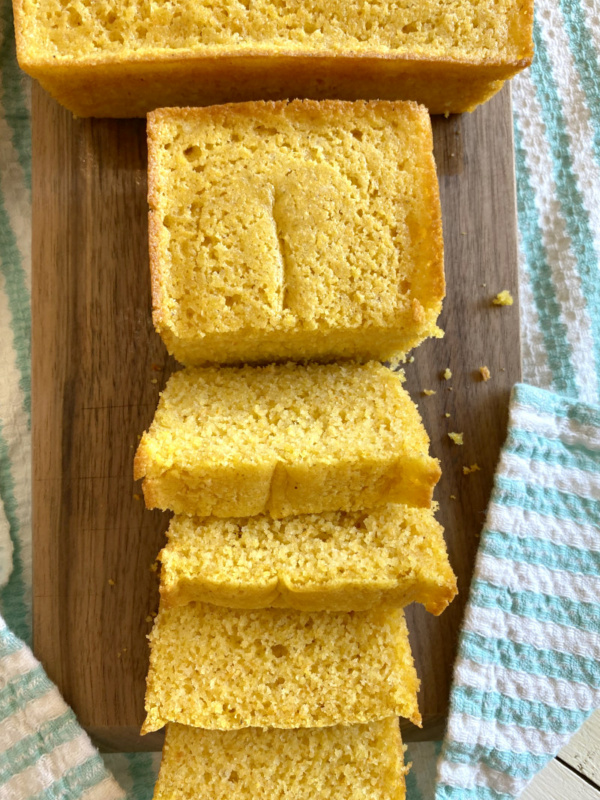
column 485, row 373
column 428, row 392
column 457, row 438
column 447, row 374
column 503, row 298
column 411, row 360
column 149, row 618
column 447, row 416
column 154, row 380
column 137, row 496
column 472, row 468
column 154, row 566
column 452, row 497
column 111, row 582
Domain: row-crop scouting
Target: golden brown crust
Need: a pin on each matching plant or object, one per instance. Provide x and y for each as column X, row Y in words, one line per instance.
column 128, row 85
column 131, row 88
column 140, row 462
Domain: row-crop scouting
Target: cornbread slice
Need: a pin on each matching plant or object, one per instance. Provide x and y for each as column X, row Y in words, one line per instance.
column 224, row 669
column 300, row 230
column 336, row 561
column 344, row 762
column 120, row 58
column 285, row 439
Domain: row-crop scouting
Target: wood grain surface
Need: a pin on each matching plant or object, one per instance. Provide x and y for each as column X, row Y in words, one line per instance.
column 98, row 367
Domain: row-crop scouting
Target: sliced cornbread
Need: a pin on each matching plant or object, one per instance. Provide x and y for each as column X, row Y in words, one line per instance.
column 285, row 439
column 294, row 231
column 116, row 58
column 220, row 668
column 344, row 762
column 335, row 561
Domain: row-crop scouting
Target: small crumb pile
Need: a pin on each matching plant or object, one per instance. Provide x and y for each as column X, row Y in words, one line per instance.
column 503, row 298
column 471, row 469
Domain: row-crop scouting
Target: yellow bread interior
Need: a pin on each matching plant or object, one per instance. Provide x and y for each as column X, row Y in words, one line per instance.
column 285, row 439
column 225, row 669
column 338, row 561
column 461, row 30
column 343, row 762
column 295, row 230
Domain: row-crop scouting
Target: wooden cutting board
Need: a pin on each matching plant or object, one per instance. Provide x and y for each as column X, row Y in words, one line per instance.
column 98, row 367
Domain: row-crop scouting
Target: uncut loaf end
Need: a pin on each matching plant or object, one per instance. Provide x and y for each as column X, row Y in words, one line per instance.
column 123, row 59
column 294, row 231
column 343, row 762
column 285, row 439
column 226, row 669
column 335, row 561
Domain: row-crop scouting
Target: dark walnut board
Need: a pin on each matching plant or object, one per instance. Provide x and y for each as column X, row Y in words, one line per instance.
column 98, row 367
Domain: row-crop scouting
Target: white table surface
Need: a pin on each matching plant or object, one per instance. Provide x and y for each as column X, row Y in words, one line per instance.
column 575, row 773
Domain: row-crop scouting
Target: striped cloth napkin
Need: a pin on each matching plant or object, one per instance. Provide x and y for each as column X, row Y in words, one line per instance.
column 527, row 673
column 44, row 754
column 528, row 668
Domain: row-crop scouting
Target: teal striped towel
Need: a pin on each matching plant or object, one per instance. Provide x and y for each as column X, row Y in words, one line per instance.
column 528, row 667
column 44, row 754
column 528, row 670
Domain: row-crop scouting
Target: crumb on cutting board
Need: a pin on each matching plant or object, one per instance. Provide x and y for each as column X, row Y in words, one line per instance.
column 428, row 392
column 485, row 373
column 457, row 438
column 472, row 468
column 503, row 298
column 447, row 374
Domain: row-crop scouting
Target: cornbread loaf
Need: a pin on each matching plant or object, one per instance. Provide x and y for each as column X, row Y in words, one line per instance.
column 338, row 561
column 344, row 762
column 122, row 59
column 300, row 230
column 222, row 668
column 285, row 439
